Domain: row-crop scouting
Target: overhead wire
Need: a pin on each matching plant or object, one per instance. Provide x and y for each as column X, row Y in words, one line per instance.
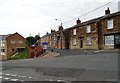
column 88, row 12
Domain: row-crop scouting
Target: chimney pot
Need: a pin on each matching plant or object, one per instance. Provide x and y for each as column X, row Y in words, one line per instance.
column 60, row 27
column 78, row 21
column 107, row 12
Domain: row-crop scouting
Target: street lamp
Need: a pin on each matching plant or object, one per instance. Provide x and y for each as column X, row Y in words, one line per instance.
column 59, row 21
column 61, row 33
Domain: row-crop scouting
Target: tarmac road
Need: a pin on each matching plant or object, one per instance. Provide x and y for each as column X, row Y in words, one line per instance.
column 89, row 66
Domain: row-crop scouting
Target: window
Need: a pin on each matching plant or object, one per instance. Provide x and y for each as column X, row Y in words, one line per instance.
column 12, row 41
column 110, row 24
column 74, row 40
column 2, row 51
column 2, row 43
column 88, row 41
column 109, row 40
column 88, row 29
column 20, row 41
column 74, row 31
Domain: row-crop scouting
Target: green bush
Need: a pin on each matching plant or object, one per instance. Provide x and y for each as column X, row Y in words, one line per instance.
column 22, row 55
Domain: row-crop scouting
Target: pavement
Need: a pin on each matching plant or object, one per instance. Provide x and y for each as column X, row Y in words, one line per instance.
column 73, row 65
column 49, row 54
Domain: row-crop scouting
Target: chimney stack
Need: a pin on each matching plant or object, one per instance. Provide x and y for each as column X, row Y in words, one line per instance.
column 107, row 12
column 47, row 33
column 78, row 21
column 60, row 27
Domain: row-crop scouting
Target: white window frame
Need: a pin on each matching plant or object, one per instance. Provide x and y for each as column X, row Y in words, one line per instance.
column 88, row 29
column 74, row 41
column 2, row 53
column 88, row 41
column 3, row 43
column 12, row 41
column 110, row 24
column 109, row 40
column 74, row 31
column 20, row 41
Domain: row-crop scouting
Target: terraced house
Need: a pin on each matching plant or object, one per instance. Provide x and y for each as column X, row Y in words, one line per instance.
column 11, row 44
column 98, row 33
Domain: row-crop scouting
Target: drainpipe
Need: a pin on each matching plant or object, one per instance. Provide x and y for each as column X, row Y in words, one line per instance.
column 99, row 35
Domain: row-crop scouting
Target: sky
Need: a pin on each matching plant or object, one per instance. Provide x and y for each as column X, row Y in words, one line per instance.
column 33, row 17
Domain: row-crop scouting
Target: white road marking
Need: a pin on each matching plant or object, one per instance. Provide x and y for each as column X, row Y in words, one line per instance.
column 0, row 76
column 7, row 74
column 14, row 79
column 60, row 80
column 6, row 78
column 22, row 76
column 29, row 77
column 14, row 75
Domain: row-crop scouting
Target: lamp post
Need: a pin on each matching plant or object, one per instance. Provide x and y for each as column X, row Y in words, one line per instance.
column 61, row 33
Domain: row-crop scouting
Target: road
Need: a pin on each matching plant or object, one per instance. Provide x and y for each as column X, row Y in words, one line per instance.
column 69, row 66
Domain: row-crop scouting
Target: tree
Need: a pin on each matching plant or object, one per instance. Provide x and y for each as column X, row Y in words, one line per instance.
column 37, row 37
column 30, row 40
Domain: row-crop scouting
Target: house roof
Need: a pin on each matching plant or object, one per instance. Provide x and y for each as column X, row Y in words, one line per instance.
column 4, row 36
column 96, row 19
column 14, row 34
column 89, row 22
column 9, row 35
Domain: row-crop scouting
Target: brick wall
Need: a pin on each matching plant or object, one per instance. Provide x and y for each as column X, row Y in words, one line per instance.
column 14, row 45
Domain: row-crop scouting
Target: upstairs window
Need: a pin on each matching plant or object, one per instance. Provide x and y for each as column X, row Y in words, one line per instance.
column 2, row 42
column 74, row 31
column 20, row 41
column 110, row 24
column 12, row 41
column 88, row 29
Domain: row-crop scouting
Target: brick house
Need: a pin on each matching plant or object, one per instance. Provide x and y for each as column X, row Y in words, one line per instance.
column 10, row 44
column 54, row 39
column 84, row 35
column 99, row 33
column 66, row 38
column 110, row 31
column 49, row 38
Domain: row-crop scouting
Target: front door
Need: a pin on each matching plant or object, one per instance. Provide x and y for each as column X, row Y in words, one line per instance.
column 81, row 43
column 117, row 41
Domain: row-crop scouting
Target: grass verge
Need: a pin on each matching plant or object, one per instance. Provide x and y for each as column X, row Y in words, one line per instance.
column 22, row 55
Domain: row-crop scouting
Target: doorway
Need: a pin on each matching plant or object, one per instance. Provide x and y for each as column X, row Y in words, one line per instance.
column 81, row 43
column 117, row 40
